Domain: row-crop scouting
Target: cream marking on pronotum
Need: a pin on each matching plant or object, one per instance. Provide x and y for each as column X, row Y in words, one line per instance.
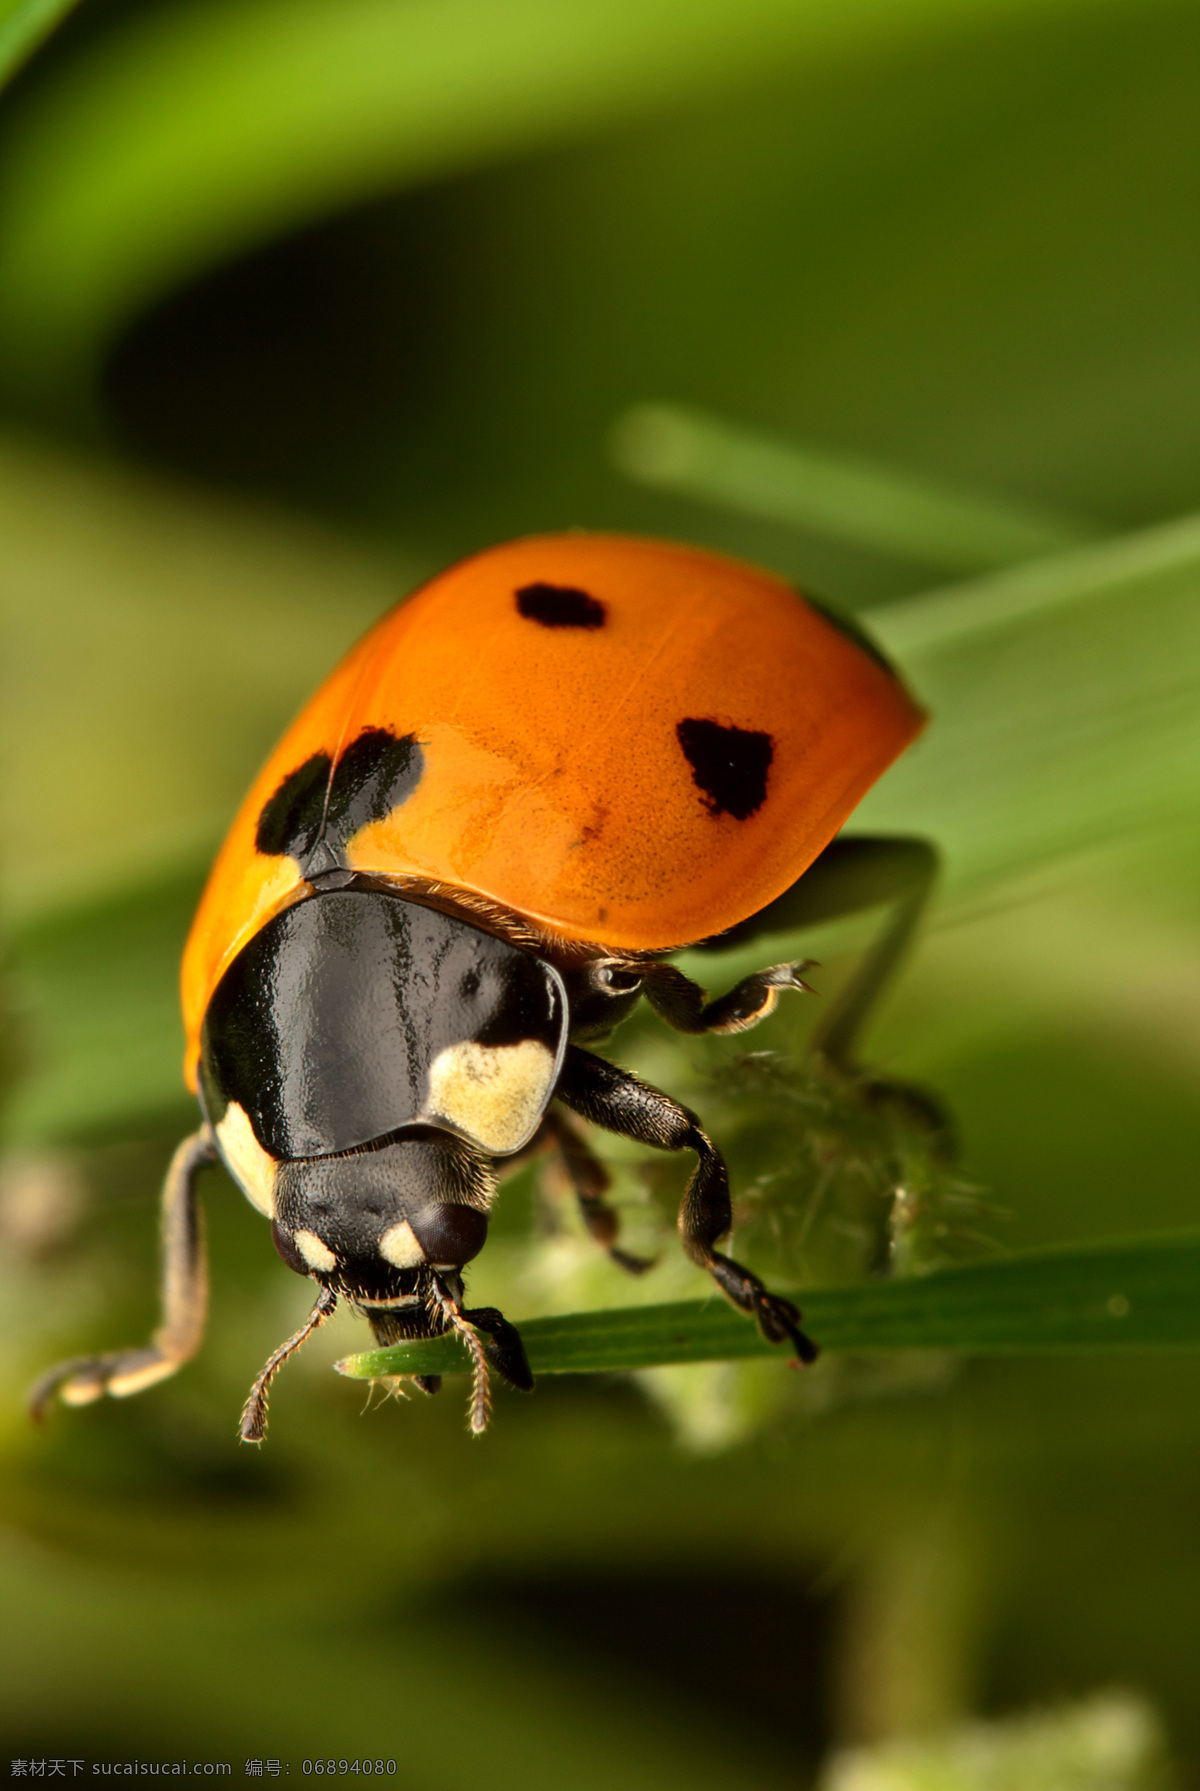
column 252, row 1168
column 399, row 1246
column 494, row 1093
column 316, row 1254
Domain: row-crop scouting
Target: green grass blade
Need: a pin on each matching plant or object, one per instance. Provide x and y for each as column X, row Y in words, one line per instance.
column 953, row 616
column 839, row 495
column 23, row 26
column 1125, row 1295
column 1065, row 699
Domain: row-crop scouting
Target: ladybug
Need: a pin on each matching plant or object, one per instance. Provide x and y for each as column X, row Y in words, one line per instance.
column 467, row 859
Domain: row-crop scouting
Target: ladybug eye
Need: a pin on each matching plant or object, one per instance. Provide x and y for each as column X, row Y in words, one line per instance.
column 618, row 981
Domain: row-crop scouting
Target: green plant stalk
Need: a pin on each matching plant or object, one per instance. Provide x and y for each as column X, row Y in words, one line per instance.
column 1121, row 1295
column 845, row 496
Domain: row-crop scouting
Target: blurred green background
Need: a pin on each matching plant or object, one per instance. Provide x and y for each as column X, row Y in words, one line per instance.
column 301, row 299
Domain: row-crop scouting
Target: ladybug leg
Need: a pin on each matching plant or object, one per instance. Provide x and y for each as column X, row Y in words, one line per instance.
column 184, row 1299
column 850, row 876
column 489, row 1338
column 620, row 1102
column 684, row 1005
column 591, row 1181
column 253, row 1425
column 502, row 1345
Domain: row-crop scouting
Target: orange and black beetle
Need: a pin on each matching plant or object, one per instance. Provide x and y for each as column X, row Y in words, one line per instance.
column 471, row 853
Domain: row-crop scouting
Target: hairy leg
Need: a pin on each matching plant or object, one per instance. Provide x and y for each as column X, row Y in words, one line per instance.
column 590, row 1180
column 621, row 1103
column 852, row 875
column 184, row 1299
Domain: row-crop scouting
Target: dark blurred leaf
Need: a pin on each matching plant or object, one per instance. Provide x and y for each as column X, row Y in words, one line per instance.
column 198, row 130
column 1142, row 1294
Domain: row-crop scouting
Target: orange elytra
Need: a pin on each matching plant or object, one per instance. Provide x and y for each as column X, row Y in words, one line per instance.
column 555, row 781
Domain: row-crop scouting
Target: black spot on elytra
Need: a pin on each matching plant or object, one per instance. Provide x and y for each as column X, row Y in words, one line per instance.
column 559, row 606
column 311, row 818
column 729, row 765
column 291, row 818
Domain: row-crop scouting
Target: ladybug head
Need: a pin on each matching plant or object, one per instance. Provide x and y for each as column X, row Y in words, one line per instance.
column 364, row 1221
